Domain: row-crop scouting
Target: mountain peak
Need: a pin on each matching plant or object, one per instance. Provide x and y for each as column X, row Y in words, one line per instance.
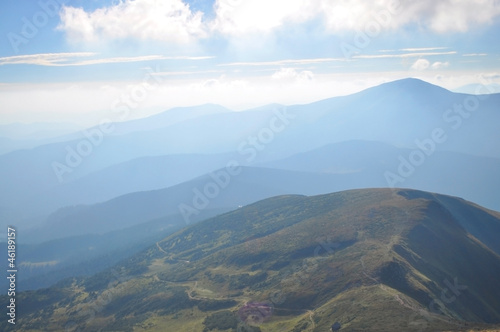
column 413, row 84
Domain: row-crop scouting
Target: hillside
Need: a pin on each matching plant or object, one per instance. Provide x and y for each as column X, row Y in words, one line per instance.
column 371, row 260
column 44, row 264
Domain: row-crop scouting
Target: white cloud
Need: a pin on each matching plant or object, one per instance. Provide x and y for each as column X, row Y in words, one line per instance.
column 441, row 16
column 290, row 74
column 459, row 15
column 440, row 65
column 235, row 17
column 421, row 64
column 305, row 76
column 285, row 74
column 162, row 20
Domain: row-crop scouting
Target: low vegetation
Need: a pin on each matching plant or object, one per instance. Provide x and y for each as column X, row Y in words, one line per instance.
column 371, row 260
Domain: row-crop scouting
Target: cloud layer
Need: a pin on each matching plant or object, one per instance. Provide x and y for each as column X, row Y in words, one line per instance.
column 174, row 21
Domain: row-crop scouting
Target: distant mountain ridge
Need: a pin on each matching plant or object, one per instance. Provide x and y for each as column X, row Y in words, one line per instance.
column 168, row 118
column 397, row 113
column 249, row 185
column 374, row 164
column 27, row 136
column 341, row 166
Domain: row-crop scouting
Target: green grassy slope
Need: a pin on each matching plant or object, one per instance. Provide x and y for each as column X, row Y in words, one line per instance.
column 372, row 260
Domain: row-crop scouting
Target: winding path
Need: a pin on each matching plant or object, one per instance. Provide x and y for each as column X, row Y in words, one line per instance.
column 311, row 314
column 160, row 248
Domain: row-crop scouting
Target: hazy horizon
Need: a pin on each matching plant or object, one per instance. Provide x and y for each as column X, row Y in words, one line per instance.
column 76, row 61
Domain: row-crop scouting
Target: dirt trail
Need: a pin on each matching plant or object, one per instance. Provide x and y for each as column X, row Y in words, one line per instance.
column 160, row 248
column 311, row 314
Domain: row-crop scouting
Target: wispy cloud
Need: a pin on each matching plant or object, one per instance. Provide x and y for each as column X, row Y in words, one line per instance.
column 475, row 54
column 205, row 57
column 402, row 55
column 113, row 60
column 284, row 62
column 75, row 59
column 43, row 59
column 186, row 73
column 416, row 49
column 422, row 49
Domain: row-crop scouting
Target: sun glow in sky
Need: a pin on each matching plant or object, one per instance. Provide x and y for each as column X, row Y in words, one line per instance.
column 74, row 60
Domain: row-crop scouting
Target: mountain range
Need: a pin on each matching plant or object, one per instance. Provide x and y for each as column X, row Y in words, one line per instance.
column 158, row 168
column 86, row 200
column 404, row 114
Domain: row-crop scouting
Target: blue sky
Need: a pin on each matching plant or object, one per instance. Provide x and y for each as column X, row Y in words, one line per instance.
column 74, row 60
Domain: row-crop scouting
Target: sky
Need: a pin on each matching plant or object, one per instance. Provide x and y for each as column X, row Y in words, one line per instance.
column 80, row 61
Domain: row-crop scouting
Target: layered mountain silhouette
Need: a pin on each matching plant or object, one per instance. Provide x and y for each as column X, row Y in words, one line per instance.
column 405, row 114
column 341, row 166
column 190, row 200
column 369, row 260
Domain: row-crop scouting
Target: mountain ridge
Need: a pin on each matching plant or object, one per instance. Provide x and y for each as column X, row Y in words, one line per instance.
column 371, row 259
